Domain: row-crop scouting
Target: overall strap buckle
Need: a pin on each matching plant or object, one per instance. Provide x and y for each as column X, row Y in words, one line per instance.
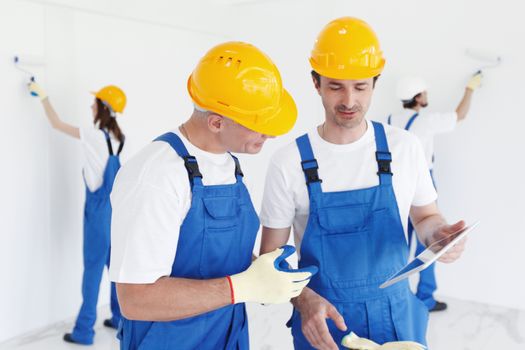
column 383, row 162
column 310, row 168
column 190, row 162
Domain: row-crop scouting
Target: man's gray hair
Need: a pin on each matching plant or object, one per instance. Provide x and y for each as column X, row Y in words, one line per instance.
column 199, row 108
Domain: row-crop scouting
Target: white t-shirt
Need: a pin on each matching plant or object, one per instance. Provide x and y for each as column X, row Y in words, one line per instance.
column 96, row 154
column 425, row 127
column 342, row 168
column 150, row 199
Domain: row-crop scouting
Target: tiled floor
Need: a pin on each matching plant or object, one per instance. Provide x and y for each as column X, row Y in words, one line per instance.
column 464, row 326
column 51, row 339
column 473, row 326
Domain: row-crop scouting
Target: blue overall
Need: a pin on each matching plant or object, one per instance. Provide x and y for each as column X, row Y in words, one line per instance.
column 216, row 239
column 427, row 284
column 356, row 239
column 97, row 226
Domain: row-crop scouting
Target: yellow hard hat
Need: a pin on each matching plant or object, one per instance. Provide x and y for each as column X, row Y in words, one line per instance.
column 347, row 48
column 240, row 82
column 113, row 96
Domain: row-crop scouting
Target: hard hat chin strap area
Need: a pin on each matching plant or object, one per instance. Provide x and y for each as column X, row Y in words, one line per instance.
column 112, row 113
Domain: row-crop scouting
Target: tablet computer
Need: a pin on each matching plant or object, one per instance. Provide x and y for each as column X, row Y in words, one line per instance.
column 429, row 255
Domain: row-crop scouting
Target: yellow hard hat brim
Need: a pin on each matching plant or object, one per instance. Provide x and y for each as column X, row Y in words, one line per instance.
column 281, row 123
column 342, row 74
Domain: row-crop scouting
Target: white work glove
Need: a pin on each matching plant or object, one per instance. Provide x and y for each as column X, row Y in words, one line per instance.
column 352, row 341
column 475, row 81
column 269, row 279
column 36, row 90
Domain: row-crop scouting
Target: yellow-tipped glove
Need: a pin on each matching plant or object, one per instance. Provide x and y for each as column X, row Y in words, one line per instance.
column 352, row 341
column 270, row 280
column 475, row 81
column 36, row 90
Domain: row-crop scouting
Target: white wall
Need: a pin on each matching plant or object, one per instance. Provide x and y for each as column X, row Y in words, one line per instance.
column 42, row 204
column 24, row 203
column 149, row 48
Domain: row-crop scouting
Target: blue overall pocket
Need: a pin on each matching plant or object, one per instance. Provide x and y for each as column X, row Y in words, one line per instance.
column 345, row 243
column 410, row 317
column 181, row 334
column 221, row 237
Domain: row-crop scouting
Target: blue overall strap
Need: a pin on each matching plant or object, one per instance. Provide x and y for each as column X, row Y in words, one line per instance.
column 410, row 121
column 238, row 171
column 121, row 146
column 309, row 164
column 190, row 162
column 110, row 147
column 108, row 141
column 389, row 120
column 383, row 155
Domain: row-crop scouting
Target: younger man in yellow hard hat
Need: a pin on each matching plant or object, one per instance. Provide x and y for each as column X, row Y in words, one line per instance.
column 347, row 187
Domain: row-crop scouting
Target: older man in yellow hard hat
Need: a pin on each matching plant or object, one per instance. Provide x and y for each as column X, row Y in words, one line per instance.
column 184, row 226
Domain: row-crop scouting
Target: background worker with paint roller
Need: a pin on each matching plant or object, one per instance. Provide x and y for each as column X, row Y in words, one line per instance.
column 184, row 227
column 102, row 146
column 412, row 91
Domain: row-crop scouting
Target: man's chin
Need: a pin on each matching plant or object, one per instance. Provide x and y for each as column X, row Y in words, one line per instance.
column 256, row 148
column 350, row 123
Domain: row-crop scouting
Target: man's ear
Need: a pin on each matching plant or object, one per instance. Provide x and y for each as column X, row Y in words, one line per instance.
column 317, row 84
column 215, row 122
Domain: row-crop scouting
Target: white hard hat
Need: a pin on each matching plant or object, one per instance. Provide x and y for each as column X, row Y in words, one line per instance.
column 408, row 87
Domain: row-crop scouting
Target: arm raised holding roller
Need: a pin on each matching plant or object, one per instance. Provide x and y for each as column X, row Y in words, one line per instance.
column 51, row 114
column 464, row 105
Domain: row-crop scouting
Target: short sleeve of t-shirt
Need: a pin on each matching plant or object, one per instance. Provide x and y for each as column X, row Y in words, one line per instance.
column 278, row 208
column 151, row 198
column 148, row 209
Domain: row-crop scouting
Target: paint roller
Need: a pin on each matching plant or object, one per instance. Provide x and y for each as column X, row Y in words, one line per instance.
column 21, row 62
column 488, row 58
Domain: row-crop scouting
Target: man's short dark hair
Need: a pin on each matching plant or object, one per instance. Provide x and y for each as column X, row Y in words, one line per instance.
column 317, row 78
column 411, row 103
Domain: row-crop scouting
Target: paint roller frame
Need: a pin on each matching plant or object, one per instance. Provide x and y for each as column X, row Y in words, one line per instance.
column 27, row 60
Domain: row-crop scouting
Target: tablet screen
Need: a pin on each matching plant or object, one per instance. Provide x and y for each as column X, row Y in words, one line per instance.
column 431, row 254
column 438, row 248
